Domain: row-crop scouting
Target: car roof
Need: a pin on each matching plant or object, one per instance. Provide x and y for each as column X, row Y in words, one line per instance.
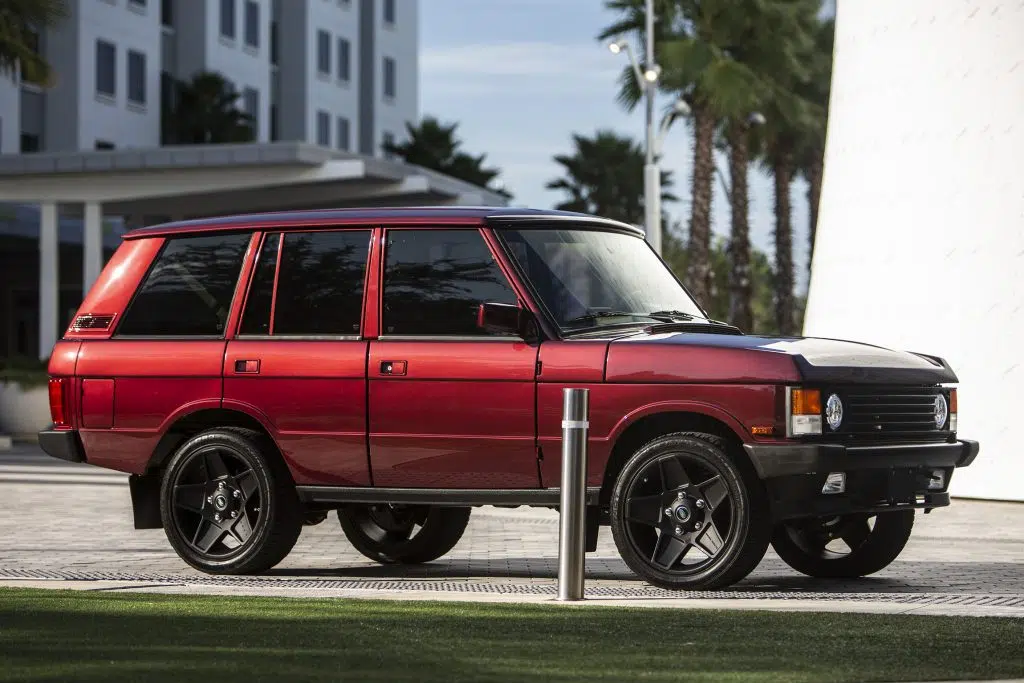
column 425, row 216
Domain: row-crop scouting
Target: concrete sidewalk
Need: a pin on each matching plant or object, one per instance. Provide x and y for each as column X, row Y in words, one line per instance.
column 70, row 526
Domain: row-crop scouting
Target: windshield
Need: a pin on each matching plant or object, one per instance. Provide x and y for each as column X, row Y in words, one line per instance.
column 587, row 278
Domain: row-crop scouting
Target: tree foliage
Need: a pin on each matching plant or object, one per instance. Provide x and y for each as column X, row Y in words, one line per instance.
column 605, row 176
column 205, row 110
column 20, row 24
column 435, row 145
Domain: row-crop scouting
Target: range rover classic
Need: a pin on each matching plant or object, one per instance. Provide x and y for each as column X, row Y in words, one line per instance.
column 399, row 367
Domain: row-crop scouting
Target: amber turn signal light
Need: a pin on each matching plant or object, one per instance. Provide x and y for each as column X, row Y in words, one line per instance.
column 805, row 402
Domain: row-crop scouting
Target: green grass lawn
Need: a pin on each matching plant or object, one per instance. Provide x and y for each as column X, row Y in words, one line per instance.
column 69, row 635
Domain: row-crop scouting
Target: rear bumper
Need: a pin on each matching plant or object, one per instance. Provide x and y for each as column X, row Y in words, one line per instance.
column 63, row 444
column 878, row 478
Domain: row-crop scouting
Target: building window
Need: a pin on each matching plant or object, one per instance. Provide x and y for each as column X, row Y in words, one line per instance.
column 274, row 135
column 319, row 284
column 30, row 142
column 389, row 12
column 106, row 69
column 167, row 12
column 273, row 43
column 227, row 18
column 387, row 140
column 389, row 78
column 323, row 52
column 137, row 5
column 104, row 144
column 343, row 133
column 188, row 290
column 323, row 128
column 252, row 24
column 251, row 101
column 136, row 77
column 344, row 60
column 420, row 263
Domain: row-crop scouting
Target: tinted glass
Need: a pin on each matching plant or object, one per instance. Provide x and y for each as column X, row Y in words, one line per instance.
column 256, row 319
column 320, row 285
column 136, row 77
column 578, row 273
column 434, row 281
column 106, row 68
column 188, row 290
column 252, row 24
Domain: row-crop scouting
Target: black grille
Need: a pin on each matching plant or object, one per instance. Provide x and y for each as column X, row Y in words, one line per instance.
column 889, row 414
column 92, row 322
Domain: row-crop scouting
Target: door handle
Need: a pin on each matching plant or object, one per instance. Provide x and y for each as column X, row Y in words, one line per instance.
column 247, row 367
column 393, row 367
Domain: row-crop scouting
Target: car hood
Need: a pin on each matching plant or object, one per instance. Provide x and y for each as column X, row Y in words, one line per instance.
column 690, row 356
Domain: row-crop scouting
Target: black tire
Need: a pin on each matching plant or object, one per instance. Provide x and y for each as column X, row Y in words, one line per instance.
column 403, row 534
column 725, row 494
column 804, row 544
column 198, row 502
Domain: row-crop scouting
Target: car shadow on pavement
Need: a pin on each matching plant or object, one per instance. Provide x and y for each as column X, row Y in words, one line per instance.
column 772, row 575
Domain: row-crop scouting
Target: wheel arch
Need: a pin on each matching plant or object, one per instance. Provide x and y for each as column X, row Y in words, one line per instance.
column 187, row 425
column 650, row 424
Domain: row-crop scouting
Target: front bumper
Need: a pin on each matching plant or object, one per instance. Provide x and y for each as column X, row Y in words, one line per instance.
column 63, row 444
column 878, row 478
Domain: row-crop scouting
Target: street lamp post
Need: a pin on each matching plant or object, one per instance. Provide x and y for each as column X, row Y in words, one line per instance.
column 648, row 82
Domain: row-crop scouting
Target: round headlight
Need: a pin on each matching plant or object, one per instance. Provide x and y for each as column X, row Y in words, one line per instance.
column 834, row 412
column 941, row 411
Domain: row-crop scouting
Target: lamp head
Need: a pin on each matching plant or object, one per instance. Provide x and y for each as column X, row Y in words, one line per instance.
column 617, row 47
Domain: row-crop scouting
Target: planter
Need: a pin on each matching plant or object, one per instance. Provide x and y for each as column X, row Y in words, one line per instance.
column 24, row 410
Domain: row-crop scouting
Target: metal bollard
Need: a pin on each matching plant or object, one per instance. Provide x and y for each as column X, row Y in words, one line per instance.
column 573, row 507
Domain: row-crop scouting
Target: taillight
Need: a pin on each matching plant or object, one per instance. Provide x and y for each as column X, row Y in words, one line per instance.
column 59, row 402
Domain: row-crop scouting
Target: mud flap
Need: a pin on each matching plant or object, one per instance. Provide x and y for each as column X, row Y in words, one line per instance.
column 145, row 491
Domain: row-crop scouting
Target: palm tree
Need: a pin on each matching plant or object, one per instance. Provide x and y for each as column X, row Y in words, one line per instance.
column 435, row 145
column 604, row 176
column 205, row 111
column 810, row 153
column 20, row 24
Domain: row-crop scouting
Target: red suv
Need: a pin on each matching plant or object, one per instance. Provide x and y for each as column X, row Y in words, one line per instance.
column 401, row 366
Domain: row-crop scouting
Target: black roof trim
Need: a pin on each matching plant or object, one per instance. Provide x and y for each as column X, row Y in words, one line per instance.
column 384, row 215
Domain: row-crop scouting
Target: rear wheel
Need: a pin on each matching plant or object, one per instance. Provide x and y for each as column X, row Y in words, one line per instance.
column 228, row 504
column 685, row 516
column 843, row 547
column 403, row 534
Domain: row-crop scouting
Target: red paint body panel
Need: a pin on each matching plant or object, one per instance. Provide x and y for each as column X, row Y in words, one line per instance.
column 461, row 417
column 97, row 403
column 312, row 397
column 156, row 382
column 573, row 361
column 116, row 285
column 614, row 407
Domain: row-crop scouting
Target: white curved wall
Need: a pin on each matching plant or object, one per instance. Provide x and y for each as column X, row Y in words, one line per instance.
column 920, row 242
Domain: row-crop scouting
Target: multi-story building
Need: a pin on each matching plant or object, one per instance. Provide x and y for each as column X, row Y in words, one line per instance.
column 336, row 73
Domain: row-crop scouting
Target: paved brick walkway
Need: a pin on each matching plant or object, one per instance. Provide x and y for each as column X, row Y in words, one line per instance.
column 73, row 523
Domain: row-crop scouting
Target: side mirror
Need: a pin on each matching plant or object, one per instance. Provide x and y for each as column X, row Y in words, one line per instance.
column 501, row 318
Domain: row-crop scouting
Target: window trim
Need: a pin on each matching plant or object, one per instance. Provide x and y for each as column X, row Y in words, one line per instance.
column 441, row 227
column 228, row 322
column 251, row 279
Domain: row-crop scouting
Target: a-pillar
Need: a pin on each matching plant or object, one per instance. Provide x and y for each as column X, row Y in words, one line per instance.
column 49, row 278
column 92, row 245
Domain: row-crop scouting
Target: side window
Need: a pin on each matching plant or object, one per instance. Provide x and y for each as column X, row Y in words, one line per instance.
column 189, row 288
column 319, row 284
column 434, row 281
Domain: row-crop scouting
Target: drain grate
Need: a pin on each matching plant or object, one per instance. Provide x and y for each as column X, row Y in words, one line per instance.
column 594, row 588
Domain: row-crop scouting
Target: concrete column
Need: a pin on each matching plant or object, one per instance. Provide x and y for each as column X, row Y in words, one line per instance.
column 92, row 245
column 49, row 278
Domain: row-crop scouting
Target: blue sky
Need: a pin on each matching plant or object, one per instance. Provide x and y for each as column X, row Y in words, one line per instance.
column 520, row 76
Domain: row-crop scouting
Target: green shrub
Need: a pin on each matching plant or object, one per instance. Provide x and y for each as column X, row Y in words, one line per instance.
column 25, row 371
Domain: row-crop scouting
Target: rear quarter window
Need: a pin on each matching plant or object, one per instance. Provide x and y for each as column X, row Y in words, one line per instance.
column 188, row 290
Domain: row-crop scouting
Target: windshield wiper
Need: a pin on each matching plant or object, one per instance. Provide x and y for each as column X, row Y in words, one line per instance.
column 672, row 315
column 607, row 314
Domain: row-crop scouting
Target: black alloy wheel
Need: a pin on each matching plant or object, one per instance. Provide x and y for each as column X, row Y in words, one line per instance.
column 685, row 516
column 228, row 506
column 843, row 547
column 403, row 534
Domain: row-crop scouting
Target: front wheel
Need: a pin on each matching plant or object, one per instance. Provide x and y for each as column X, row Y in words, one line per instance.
column 403, row 534
column 843, row 547
column 685, row 516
